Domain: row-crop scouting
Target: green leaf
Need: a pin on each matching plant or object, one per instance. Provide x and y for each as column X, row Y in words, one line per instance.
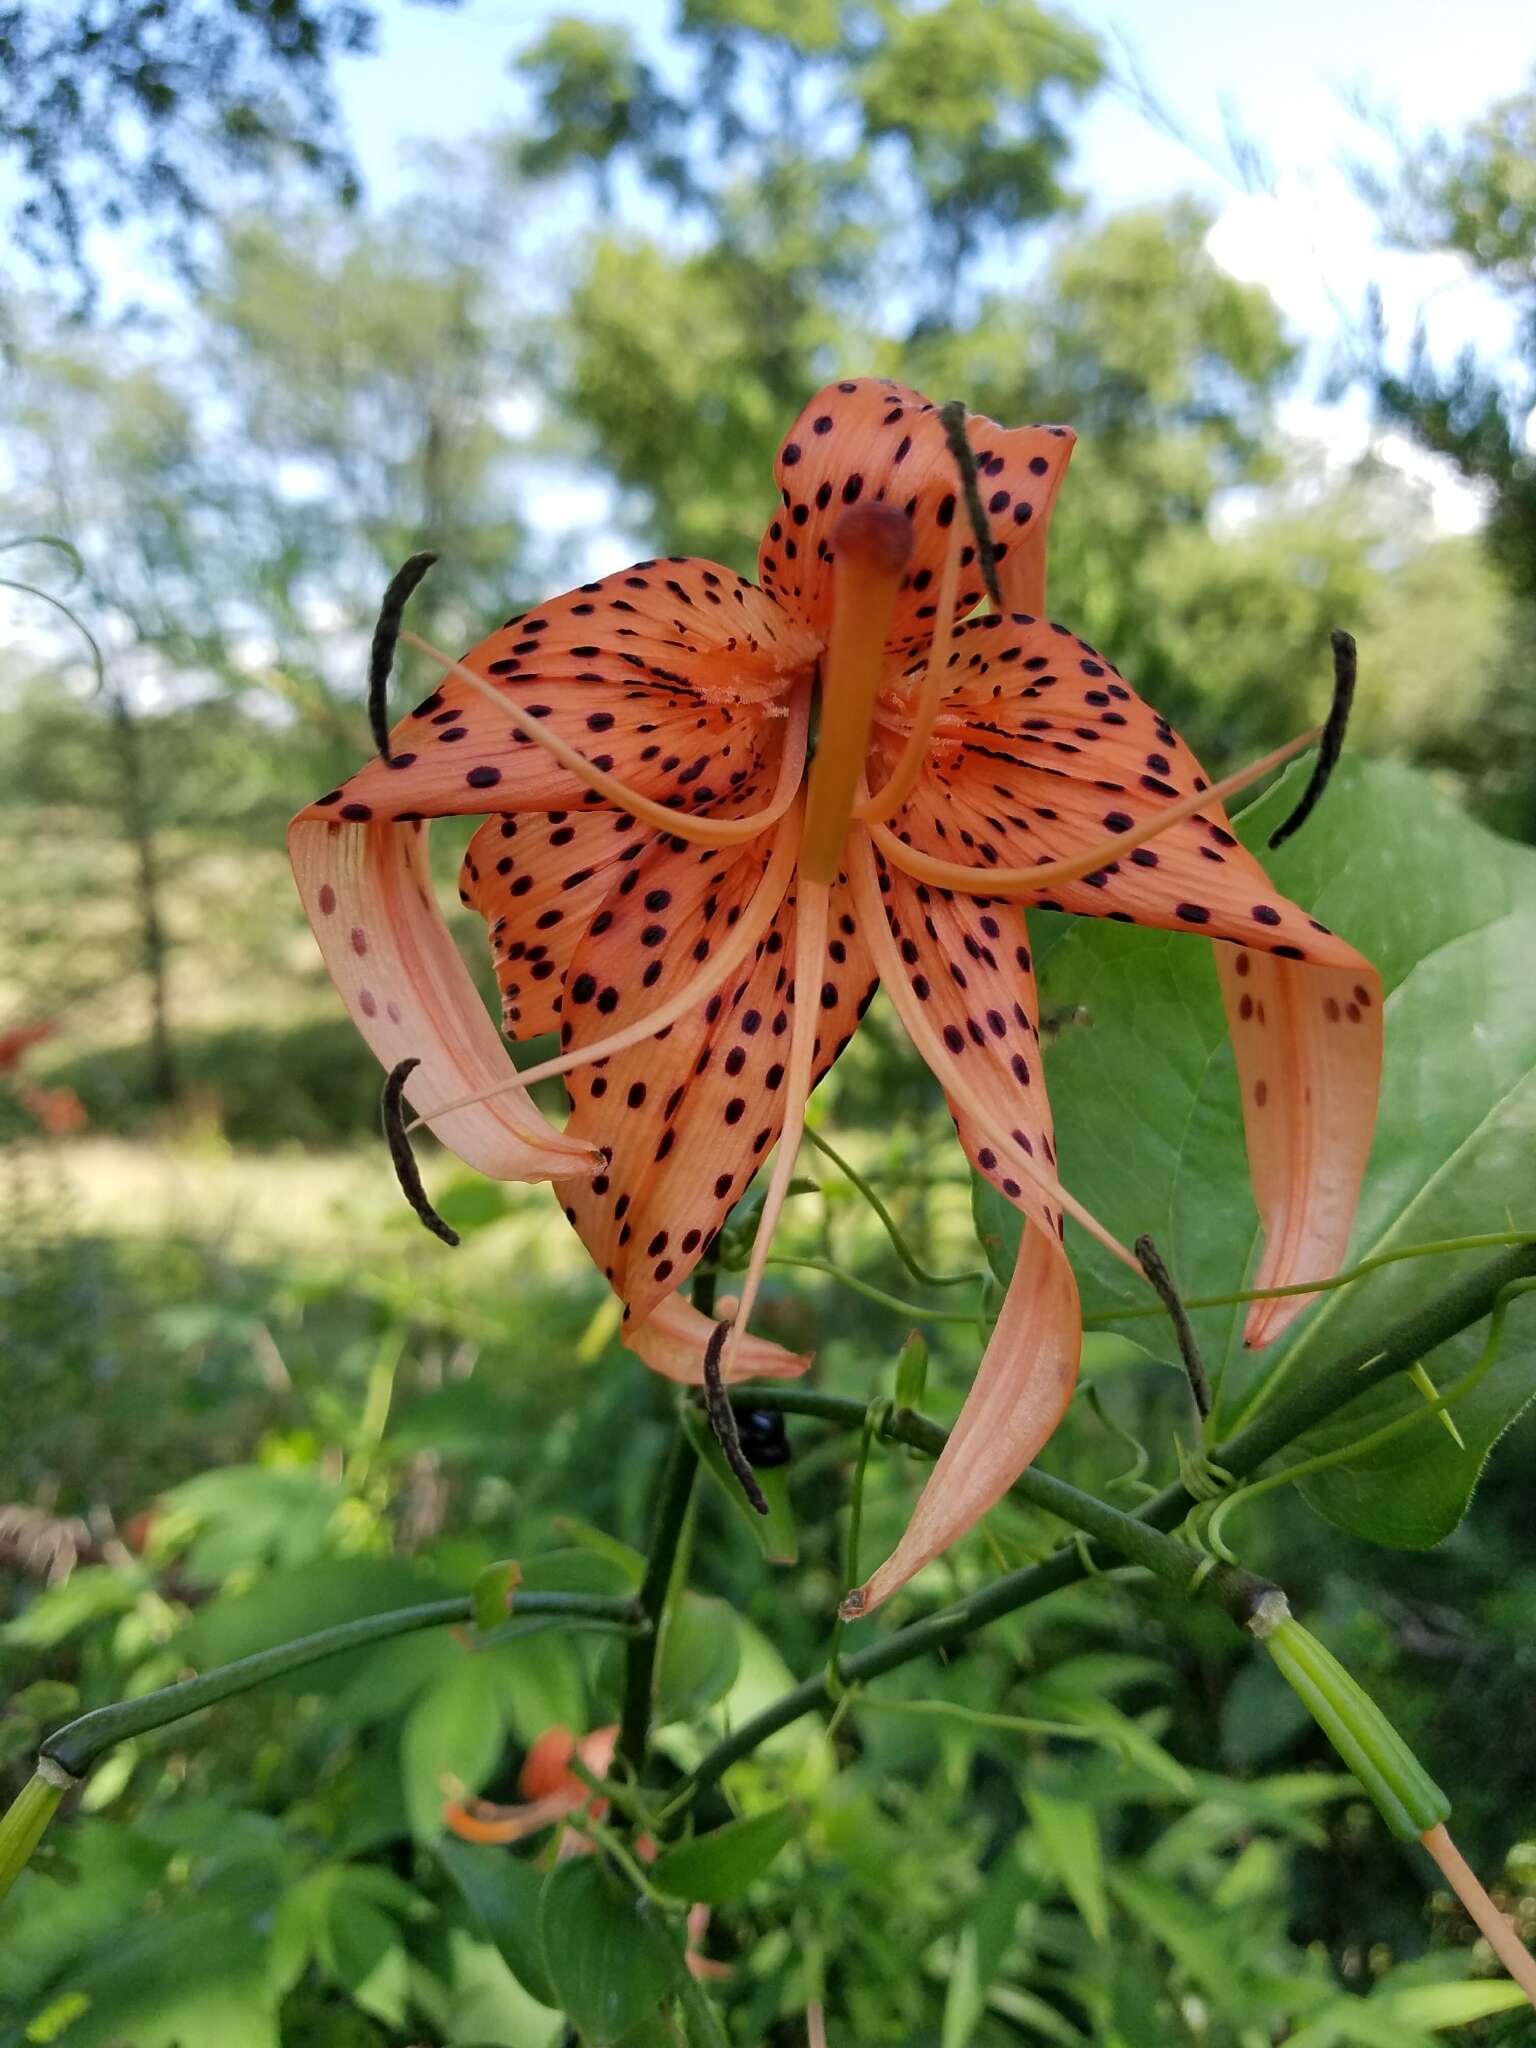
column 1066, row 1833
column 610, row 1964
column 502, row 1893
column 454, row 1732
column 773, row 1533
column 1150, row 1133
column 718, row 1867
column 700, row 1656
column 491, row 1594
column 368, row 1957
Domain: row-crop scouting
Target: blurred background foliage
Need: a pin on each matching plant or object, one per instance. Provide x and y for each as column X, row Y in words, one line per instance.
column 243, row 1397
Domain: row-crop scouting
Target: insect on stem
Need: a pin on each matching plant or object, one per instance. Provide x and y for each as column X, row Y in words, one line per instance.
column 404, row 1160
column 381, row 655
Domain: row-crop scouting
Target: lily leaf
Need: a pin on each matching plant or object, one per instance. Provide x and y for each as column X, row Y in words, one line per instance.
column 1150, row 1136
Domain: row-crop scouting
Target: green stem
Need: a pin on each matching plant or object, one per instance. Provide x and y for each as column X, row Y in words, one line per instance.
column 914, row 1311
column 899, row 1244
column 1465, row 1302
column 78, row 1745
column 24, row 1824
column 1485, row 1241
column 640, row 1656
column 1177, row 1564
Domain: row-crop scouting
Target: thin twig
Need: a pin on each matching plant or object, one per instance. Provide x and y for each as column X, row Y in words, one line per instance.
column 1331, row 745
column 404, row 1160
column 381, row 656
column 954, row 417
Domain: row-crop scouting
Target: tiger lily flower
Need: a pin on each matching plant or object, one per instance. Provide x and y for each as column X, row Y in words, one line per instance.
column 703, row 906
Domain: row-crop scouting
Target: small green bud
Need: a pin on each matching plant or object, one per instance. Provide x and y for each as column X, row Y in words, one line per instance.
column 1409, row 1800
column 912, row 1371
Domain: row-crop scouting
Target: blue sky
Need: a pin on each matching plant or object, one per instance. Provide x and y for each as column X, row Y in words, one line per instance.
column 1289, row 77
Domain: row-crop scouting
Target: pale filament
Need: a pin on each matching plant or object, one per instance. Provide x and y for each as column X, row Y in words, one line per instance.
column 1020, row 884
column 877, row 935
column 812, row 906
column 681, row 824
column 761, row 909
column 893, row 793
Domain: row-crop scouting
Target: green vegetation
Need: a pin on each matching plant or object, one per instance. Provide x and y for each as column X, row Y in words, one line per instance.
column 246, row 1398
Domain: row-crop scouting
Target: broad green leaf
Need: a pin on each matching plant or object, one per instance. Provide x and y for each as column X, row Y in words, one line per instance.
column 700, row 1656
column 487, row 2007
column 718, row 1867
column 774, row 1533
column 89, row 1594
column 1150, row 1133
column 452, row 1737
column 1066, row 1833
column 622, row 1556
column 365, row 1952
column 610, row 1963
column 173, row 1978
column 255, row 1514
column 502, row 1893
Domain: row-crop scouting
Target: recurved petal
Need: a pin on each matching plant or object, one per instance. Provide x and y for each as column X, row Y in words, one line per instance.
column 870, row 438
column 1308, row 1041
column 1020, row 1394
column 966, row 984
column 367, row 891
column 673, row 1337
column 1043, row 751
column 666, row 675
column 685, row 1119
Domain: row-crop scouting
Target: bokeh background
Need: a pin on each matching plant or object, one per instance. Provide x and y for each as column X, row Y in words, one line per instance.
column 292, row 290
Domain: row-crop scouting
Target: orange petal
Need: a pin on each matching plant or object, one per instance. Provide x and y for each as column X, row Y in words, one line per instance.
column 686, row 1118
column 669, row 675
column 367, row 891
column 538, row 879
column 672, row 1341
column 871, row 438
column 1020, row 1394
column 503, row 1824
column 1309, row 1043
column 1042, row 751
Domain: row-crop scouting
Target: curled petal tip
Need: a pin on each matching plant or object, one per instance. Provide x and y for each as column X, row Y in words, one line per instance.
column 855, row 1605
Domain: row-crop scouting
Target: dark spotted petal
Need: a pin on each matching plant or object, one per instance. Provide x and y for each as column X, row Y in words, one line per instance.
column 868, row 440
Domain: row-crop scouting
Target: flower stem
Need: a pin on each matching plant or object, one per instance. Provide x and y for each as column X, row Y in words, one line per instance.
column 1393, row 1350
column 27, row 1818
column 640, row 1657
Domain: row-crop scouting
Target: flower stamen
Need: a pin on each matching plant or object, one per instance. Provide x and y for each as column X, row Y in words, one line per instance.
column 1019, row 884
column 930, row 698
column 812, row 908
column 699, row 831
column 749, row 930
column 925, row 1037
